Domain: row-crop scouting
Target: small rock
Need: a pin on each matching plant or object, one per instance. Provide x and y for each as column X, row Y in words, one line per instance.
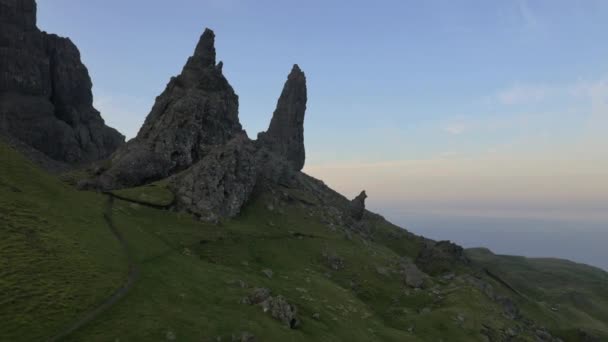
column 259, row 295
column 170, row 336
column 268, row 272
column 244, row 337
column 316, row 316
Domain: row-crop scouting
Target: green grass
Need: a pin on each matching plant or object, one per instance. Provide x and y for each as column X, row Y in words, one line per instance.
column 155, row 193
column 59, row 259
column 566, row 295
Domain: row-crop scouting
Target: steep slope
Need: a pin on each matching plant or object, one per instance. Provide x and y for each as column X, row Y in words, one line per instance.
column 45, row 91
column 58, row 258
column 346, row 279
column 573, row 297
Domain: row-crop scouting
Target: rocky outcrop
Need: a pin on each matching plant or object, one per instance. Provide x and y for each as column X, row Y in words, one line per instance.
column 222, row 182
column 197, row 112
column 219, row 184
column 357, row 206
column 45, row 91
column 285, row 135
column 278, row 307
column 440, row 257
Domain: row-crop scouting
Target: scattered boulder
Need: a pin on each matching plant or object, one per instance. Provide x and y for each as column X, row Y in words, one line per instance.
column 259, row 295
column 268, row 272
column 285, row 135
column 46, row 100
column 278, row 306
column 244, row 337
column 357, row 206
column 281, row 310
column 333, row 261
column 413, row 277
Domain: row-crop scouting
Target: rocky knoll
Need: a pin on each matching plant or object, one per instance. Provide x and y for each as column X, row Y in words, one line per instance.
column 197, row 112
column 45, row 91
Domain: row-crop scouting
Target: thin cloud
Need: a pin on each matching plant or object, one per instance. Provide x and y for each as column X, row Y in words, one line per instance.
column 455, row 128
column 528, row 16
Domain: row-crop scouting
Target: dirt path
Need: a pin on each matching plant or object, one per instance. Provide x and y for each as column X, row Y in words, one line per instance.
column 119, row 293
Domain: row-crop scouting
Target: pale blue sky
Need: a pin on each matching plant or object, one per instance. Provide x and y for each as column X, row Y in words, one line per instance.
column 463, row 107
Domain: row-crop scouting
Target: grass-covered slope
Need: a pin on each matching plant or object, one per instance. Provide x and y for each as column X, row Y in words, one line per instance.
column 59, row 259
column 569, row 296
column 57, row 256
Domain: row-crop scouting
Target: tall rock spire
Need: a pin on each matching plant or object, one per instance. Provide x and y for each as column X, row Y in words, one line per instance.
column 197, row 110
column 204, row 54
column 285, row 135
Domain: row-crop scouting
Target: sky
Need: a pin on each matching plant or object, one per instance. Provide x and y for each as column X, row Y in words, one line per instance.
column 441, row 110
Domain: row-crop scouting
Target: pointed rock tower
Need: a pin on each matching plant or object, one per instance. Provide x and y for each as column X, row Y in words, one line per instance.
column 285, row 135
column 197, row 111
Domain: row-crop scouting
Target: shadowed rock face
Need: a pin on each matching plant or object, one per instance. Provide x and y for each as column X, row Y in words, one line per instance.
column 285, row 135
column 45, row 91
column 197, row 111
column 357, row 206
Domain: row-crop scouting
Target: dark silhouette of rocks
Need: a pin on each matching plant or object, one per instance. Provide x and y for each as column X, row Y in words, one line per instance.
column 357, row 206
column 197, row 112
column 440, row 257
column 45, row 91
column 285, row 135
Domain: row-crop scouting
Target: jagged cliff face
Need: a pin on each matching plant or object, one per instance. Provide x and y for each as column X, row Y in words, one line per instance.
column 197, row 111
column 45, row 91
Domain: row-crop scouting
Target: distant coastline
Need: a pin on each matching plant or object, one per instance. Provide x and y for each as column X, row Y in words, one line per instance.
column 582, row 242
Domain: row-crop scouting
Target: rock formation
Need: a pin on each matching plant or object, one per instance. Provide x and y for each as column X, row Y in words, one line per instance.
column 197, row 112
column 285, row 135
column 193, row 137
column 220, row 183
column 45, row 91
column 440, row 257
column 357, row 206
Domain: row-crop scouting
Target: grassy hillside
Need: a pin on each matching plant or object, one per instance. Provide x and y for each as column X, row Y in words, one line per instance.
column 569, row 295
column 57, row 255
column 59, row 259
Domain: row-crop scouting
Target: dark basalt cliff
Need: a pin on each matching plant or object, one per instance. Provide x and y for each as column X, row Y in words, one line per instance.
column 45, row 91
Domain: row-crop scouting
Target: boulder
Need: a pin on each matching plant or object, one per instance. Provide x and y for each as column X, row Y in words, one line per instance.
column 281, row 310
column 413, row 277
